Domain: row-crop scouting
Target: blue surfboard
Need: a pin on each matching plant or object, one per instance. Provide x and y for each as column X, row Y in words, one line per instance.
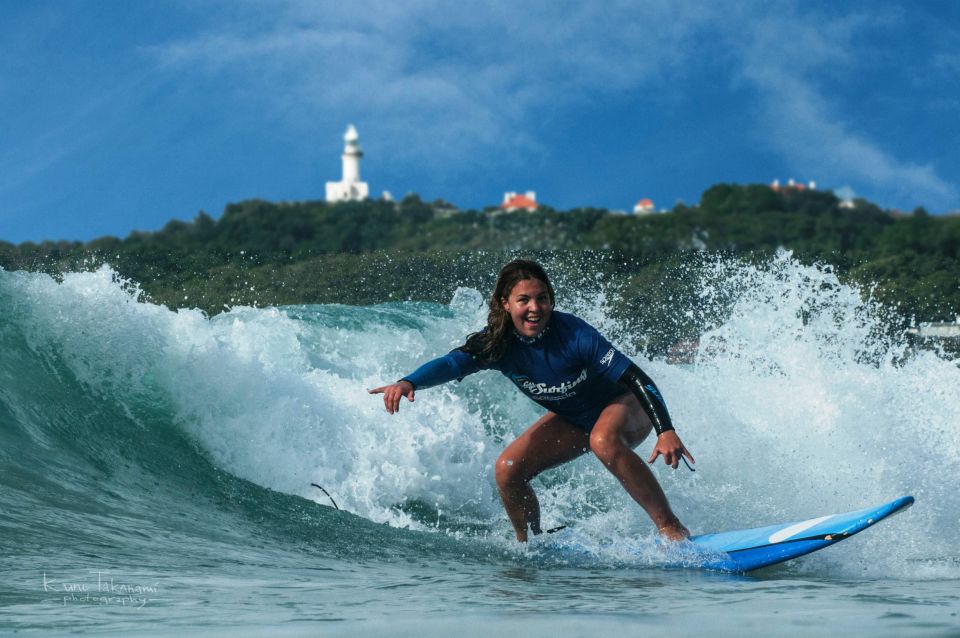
column 748, row 549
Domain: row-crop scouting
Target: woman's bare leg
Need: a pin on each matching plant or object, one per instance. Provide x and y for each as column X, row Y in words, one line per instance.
column 547, row 443
column 621, row 427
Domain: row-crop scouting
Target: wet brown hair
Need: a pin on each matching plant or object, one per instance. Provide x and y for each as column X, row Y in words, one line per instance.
column 489, row 344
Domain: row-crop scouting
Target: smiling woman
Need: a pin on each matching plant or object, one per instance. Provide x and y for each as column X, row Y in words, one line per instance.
column 596, row 398
column 529, row 306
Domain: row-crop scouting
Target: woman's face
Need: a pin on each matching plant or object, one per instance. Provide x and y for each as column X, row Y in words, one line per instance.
column 528, row 305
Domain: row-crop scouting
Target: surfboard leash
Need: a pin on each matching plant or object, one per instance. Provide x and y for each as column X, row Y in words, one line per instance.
column 328, row 495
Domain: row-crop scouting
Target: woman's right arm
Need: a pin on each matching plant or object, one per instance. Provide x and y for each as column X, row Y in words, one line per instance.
column 455, row 365
column 392, row 393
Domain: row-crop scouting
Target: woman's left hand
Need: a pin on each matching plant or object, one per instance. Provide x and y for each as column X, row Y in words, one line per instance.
column 671, row 447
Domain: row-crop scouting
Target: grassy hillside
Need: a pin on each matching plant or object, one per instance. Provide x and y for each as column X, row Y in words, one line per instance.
column 267, row 253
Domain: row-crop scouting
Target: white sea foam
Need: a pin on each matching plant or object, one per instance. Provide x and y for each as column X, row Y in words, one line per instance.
column 795, row 407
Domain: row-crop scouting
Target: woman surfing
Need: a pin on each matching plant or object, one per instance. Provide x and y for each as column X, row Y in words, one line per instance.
column 596, row 398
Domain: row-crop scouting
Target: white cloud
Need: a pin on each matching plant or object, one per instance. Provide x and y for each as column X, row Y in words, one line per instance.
column 450, row 83
column 443, row 81
column 786, row 61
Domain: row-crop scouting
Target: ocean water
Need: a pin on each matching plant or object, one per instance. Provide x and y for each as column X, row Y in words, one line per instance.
column 156, row 470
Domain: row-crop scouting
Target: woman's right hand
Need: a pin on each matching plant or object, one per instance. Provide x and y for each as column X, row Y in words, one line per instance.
column 392, row 393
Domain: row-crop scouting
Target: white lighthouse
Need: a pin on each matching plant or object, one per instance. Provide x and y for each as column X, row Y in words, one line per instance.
column 350, row 188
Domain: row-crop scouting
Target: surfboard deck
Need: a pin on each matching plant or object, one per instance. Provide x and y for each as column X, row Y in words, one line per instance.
column 749, row 549
column 743, row 550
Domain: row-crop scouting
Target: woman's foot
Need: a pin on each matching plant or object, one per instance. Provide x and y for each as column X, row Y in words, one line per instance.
column 674, row 531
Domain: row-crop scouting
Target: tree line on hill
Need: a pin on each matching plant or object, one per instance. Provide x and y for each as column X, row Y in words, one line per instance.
column 263, row 253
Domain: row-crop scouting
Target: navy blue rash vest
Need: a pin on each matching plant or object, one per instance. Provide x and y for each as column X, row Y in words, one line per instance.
column 569, row 369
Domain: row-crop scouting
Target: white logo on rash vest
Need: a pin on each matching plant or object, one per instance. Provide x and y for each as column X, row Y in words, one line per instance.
column 607, row 358
column 548, row 393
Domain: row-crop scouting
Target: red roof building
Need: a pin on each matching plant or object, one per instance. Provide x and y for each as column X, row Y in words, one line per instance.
column 792, row 185
column 515, row 201
column 643, row 207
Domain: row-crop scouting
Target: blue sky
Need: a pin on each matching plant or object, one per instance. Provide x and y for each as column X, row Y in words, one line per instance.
column 119, row 115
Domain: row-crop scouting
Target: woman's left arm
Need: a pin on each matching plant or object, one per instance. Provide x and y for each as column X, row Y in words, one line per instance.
column 668, row 443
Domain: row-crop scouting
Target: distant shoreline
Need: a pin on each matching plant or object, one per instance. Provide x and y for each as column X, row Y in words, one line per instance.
column 264, row 253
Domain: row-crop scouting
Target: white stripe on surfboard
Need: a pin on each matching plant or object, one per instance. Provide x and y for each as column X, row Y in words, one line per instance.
column 796, row 528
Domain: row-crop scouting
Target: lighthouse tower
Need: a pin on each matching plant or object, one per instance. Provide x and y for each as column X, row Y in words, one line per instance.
column 350, row 188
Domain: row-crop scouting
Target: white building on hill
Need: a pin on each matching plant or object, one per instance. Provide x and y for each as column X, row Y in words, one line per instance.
column 350, row 188
column 793, row 185
column 644, row 207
